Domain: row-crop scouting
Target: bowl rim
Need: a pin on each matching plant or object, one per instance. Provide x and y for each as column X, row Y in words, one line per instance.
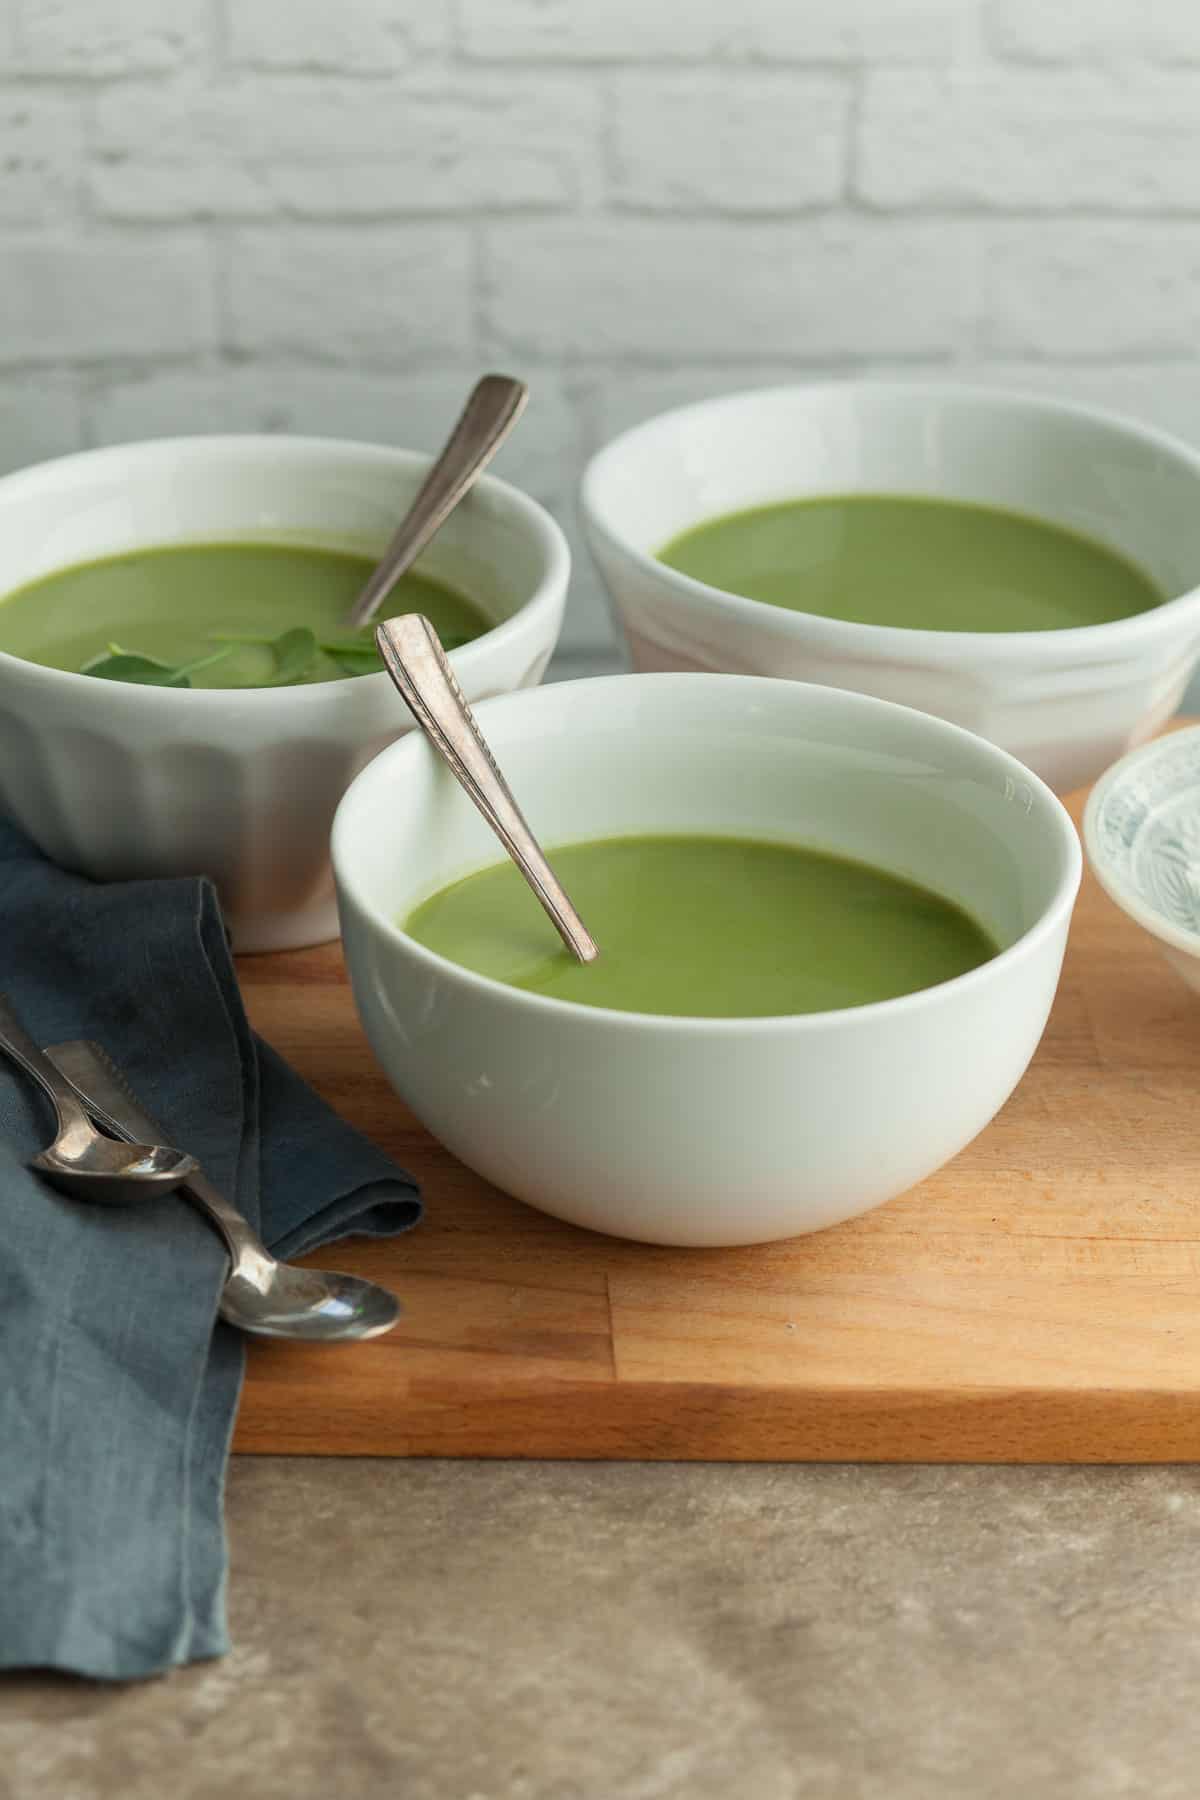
column 610, row 1018
column 894, row 640
column 1121, row 892
column 542, row 527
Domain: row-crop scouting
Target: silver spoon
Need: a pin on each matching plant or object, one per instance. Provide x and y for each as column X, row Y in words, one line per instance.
column 493, row 408
column 81, row 1160
column 261, row 1295
column 414, row 658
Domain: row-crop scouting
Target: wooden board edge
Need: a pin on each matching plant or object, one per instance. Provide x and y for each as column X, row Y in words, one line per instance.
column 695, row 1422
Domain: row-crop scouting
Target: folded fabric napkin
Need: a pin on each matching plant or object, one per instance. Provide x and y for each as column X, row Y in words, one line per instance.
column 117, row 1395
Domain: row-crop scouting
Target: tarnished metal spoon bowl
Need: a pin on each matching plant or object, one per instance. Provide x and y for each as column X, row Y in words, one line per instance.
column 273, row 1299
column 261, row 1295
column 96, row 1167
column 81, row 1161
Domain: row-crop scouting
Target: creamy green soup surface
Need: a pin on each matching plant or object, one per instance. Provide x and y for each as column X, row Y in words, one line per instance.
column 714, row 927
column 931, row 565
column 184, row 603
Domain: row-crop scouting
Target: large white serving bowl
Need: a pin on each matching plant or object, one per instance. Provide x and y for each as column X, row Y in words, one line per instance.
column 692, row 1130
column 1065, row 702
column 120, row 781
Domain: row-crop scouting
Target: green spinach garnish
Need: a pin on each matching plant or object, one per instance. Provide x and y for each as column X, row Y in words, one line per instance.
column 116, row 664
column 295, row 653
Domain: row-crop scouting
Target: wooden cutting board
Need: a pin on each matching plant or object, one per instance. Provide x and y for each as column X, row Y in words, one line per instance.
column 1036, row 1301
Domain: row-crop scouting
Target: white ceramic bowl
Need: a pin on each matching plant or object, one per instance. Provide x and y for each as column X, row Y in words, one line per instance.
column 1065, row 702
column 1141, row 829
column 709, row 1131
column 120, row 781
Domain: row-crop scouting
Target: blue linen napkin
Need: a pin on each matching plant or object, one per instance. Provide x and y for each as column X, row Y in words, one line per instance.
column 117, row 1395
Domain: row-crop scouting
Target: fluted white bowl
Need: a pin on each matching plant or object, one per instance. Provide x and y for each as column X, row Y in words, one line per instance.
column 119, row 781
column 694, row 1130
column 1065, row 702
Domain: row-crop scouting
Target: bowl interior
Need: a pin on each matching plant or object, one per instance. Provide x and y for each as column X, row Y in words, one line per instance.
column 1122, row 485
column 738, row 756
column 256, row 489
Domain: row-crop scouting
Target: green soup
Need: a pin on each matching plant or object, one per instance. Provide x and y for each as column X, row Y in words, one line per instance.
column 176, row 605
column 929, row 565
column 708, row 927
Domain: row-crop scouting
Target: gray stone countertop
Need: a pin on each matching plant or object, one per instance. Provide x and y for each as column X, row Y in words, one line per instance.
column 571, row 1631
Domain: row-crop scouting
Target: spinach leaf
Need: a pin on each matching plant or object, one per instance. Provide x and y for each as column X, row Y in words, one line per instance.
column 366, row 661
column 362, row 657
column 295, row 652
column 118, row 664
column 362, row 645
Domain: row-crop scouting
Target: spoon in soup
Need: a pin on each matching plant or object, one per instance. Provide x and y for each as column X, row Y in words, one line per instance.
column 414, row 658
column 493, row 408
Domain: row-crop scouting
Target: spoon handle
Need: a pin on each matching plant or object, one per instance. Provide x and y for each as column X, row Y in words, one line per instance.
column 419, row 667
column 92, row 1077
column 493, row 408
column 16, row 1042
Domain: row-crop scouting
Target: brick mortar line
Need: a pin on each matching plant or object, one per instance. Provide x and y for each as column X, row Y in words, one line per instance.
column 480, row 299
column 868, row 365
column 580, row 386
column 220, row 33
column 529, row 69
column 189, row 226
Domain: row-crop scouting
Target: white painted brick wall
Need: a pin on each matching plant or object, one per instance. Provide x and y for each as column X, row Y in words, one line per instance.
column 1026, row 141
column 738, row 143
column 320, row 147
column 1091, row 289
column 328, row 215
column 623, row 31
column 93, row 39
column 1112, row 31
column 361, row 37
column 85, row 299
column 330, row 295
column 681, row 290
column 41, row 153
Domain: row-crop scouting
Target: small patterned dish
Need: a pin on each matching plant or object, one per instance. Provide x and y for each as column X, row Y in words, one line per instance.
column 1141, row 831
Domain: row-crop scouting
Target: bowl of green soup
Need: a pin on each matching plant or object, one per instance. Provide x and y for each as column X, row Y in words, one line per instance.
column 179, row 693
column 1025, row 568
column 830, row 931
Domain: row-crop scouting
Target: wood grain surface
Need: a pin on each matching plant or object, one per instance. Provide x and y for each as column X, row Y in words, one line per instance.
column 1037, row 1300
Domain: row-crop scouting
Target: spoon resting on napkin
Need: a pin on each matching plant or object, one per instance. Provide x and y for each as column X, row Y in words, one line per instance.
column 121, row 1387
